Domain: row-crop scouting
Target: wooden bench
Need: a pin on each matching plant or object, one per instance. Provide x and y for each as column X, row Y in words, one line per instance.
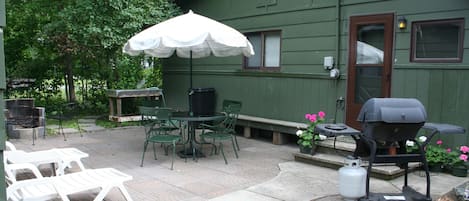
column 280, row 128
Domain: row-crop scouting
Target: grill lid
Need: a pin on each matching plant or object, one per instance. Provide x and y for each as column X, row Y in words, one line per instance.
column 392, row 110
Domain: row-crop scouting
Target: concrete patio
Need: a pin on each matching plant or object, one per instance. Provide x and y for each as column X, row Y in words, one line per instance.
column 262, row 172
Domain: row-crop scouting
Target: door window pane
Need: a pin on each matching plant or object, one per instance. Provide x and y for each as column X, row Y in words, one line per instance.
column 437, row 40
column 368, row 83
column 370, row 44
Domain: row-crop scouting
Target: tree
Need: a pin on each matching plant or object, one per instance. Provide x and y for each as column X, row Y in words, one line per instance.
column 71, row 36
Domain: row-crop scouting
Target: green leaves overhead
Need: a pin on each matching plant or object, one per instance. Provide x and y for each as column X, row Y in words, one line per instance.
column 78, row 39
column 93, row 31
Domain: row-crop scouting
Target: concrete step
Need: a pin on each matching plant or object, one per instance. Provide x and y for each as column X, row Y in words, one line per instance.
column 380, row 171
column 331, row 153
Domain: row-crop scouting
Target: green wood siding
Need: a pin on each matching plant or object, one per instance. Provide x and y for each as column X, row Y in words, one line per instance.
column 308, row 30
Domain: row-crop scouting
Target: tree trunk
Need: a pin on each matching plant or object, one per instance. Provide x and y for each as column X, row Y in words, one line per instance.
column 69, row 75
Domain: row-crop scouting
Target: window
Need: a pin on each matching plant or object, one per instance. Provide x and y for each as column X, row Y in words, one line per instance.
column 267, row 51
column 437, row 41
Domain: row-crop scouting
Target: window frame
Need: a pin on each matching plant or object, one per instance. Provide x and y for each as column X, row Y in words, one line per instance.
column 262, row 52
column 459, row 21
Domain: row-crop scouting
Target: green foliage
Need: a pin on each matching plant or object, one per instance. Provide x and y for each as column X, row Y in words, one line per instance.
column 458, row 157
column 44, row 38
column 436, row 154
column 153, row 76
column 111, row 124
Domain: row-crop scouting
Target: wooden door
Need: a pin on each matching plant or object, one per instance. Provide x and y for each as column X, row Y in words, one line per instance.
column 370, row 61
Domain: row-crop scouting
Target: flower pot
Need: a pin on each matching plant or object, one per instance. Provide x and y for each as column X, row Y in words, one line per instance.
column 313, row 149
column 305, row 150
column 438, row 167
column 459, row 171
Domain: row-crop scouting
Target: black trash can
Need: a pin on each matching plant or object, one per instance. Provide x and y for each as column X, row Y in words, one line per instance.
column 202, row 101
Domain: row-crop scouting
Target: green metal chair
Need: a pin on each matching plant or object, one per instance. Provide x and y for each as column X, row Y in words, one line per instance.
column 158, row 129
column 227, row 107
column 223, row 131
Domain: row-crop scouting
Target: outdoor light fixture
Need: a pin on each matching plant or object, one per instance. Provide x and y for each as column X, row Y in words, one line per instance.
column 402, row 22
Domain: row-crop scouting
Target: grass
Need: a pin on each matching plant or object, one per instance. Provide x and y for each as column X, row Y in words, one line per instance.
column 111, row 124
column 73, row 123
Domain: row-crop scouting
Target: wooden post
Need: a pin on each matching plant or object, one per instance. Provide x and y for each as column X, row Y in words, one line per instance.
column 119, row 106
column 278, row 138
column 111, row 107
column 247, row 132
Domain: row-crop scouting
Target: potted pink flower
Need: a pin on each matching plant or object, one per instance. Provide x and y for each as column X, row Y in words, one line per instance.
column 307, row 138
column 457, row 161
column 437, row 156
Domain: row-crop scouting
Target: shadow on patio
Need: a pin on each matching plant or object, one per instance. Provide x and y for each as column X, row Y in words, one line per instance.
column 263, row 171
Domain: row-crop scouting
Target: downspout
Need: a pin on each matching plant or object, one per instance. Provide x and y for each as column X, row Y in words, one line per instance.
column 339, row 101
column 337, row 35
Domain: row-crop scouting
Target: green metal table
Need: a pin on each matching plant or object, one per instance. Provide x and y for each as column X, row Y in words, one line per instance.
column 192, row 122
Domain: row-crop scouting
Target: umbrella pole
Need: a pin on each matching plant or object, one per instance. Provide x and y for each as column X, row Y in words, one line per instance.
column 190, row 83
column 190, row 69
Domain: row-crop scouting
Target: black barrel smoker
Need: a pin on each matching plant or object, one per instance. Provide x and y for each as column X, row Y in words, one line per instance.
column 387, row 121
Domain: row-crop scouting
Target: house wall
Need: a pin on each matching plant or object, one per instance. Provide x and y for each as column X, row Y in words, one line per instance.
column 309, row 30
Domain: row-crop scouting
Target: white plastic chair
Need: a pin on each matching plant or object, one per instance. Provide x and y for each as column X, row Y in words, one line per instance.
column 38, row 189
column 61, row 158
column 47, row 188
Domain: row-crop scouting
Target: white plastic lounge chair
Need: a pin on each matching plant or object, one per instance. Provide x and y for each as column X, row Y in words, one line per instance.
column 46, row 188
column 38, row 189
column 61, row 158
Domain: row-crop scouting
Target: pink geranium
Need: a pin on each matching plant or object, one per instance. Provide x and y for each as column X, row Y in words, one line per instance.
column 448, row 150
column 313, row 118
column 463, row 157
column 321, row 114
column 464, row 149
column 439, row 142
column 307, row 137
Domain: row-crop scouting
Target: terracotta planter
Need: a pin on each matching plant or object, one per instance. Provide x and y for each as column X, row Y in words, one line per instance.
column 459, row 171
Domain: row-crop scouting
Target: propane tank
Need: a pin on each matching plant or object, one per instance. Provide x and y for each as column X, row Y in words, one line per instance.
column 352, row 179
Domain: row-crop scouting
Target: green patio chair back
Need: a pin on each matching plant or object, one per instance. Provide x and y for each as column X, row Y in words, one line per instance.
column 158, row 129
column 225, row 130
column 148, row 116
column 230, row 103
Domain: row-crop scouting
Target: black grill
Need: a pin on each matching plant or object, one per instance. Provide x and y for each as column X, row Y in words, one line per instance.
column 392, row 119
column 387, row 123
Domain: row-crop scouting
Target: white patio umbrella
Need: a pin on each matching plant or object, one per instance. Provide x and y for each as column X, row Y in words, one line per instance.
column 190, row 36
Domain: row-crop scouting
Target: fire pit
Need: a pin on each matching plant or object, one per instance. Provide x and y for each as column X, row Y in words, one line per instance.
column 22, row 116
